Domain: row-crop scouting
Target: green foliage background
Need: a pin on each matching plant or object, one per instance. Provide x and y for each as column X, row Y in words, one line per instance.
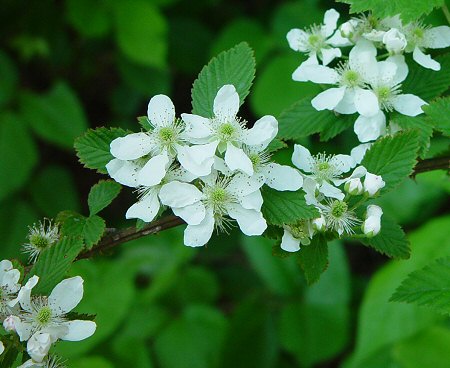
column 73, row 64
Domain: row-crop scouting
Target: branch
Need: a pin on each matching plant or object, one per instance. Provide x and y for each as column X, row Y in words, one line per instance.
column 440, row 163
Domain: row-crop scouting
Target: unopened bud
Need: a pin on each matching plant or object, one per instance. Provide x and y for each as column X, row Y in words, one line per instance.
column 354, row 186
column 9, row 324
column 348, row 28
column 319, row 223
column 372, row 224
column 372, row 184
column 395, row 41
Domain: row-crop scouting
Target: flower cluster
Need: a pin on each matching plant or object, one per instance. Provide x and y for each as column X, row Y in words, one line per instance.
column 41, row 320
column 363, row 82
column 208, row 170
column 335, row 197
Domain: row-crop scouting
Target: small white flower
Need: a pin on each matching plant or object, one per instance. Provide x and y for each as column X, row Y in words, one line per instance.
column 372, row 224
column 41, row 236
column 219, row 199
column 395, row 41
column 318, row 41
column 339, row 217
column 49, row 314
column 373, row 184
column 352, row 184
column 319, row 224
column 9, row 324
column 225, row 132
column 9, row 286
column 38, row 346
column 294, row 235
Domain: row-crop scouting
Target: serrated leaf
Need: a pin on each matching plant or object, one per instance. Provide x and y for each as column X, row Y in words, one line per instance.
column 90, row 229
column 54, row 262
column 286, row 207
column 235, row 66
column 276, row 145
column 391, row 240
column 337, row 126
column 429, row 286
column 421, row 125
column 102, row 194
column 313, row 258
column 93, row 147
column 145, row 123
column 408, row 10
column 93, row 230
column 393, row 157
column 427, row 83
column 438, row 113
column 301, row 120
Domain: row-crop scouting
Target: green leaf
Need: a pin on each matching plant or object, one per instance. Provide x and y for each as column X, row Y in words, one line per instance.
column 57, row 116
column 438, row 113
column 391, row 240
column 313, row 258
column 429, row 286
column 301, row 120
column 53, row 263
column 90, row 228
column 392, row 157
column 93, row 229
column 408, row 10
column 421, row 125
column 276, row 145
column 93, row 147
column 18, row 154
column 102, row 194
column 91, row 19
column 286, row 207
column 141, row 32
column 337, row 126
column 427, row 83
column 9, row 78
column 235, row 66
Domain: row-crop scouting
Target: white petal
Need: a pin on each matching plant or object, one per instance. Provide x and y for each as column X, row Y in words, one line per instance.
column 252, row 201
column 338, row 41
column 328, row 55
column 2, row 348
column 296, row 38
column 250, row 222
column 301, row 73
column 369, row 129
column 66, row 295
column 226, row 103
column 347, row 104
column 366, row 102
column 242, row 185
column 343, row 162
column 262, row 133
column 132, row 146
column 328, row 99
column 161, row 111
column 23, row 330
column 79, row 330
column 318, row 74
column 330, row 21
column 10, row 279
column 363, row 52
column 310, row 186
column 425, row 60
column 331, row 191
column 282, row 177
column 38, row 346
column 408, row 104
column 198, row 235
column 402, row 68
column 124, row 172
column 197, row 126
column 198, row 159
column 193, row 214
column 24, row 296
column 178, row 194
column 180, row 174
column 154, row 170
column 236, row 159
column 387, row 73
column 359, row 151
column 289, row 243
column 302, row 158
column 437, row 37
column 220, row 165
column 145, row 209
column 5, row 265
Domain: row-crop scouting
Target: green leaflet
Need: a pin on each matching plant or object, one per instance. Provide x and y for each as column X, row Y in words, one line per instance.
column 102, row 194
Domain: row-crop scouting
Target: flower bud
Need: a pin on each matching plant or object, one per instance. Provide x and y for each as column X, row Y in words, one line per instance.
column 372, row 184
column 372, row 224
column 354, row 186
column 9, row 324
column 319, row 224
column 348, row 28
column 395, row 41
column 38, row 346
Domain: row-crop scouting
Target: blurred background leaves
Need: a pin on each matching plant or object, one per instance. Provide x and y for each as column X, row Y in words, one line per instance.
column 72, row 64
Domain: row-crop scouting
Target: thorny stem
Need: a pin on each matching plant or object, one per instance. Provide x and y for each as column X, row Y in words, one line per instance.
column 115, row 237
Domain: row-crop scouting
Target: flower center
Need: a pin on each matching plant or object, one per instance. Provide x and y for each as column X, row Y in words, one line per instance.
column 44, row 316
column 226, row 131
column 323, row 166
column 315, row 40
column 39, row 241
column 255, row 159
column 338, row 208
column 298, row 230
column 167, row 134
column 218, row 196
column 351, row 78
column 418, row 33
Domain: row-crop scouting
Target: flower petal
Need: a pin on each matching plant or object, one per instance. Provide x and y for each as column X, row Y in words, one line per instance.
column 301, row 73
column 369, row 129
column 318, row 74
column 252, row 201
column 359, row 151
column 250, row 222
column 154, row 170
column 242, row 185
column 132, row 146
column 366, row 102
column 296, row 38
column 408, row 104
column 178, row 194
column 402, row 68
column 66, row 295
column 198, row 159
column 236, row 159
column 192, row 214
column 437, row 37
column 79, row 330
column 226, row 103
column 24, row 296
column 302, row 158
column 343, row 162
column 328, row 99
column 425, row 60
column 330, row 21
column 328, row 55
column 124, row 172
column 331, row 191
column 145, row 209
column 161, row 111
column 337, row 40
column 347, row 104
column 289, row 243
column 196, row 126
column 262, row 133
column 198, row 235
column 282, row 177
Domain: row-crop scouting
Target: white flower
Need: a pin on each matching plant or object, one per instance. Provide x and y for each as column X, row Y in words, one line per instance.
column 9, row 287
column 218, row 199
column 48, row 314
column 143, row 158
column 41, row 236
column 349, row 29
column 225, row 132
column 317, row 41
column 395, row 41
column 352, row 184
column 338, row 216
column 9, row 324
column 372, row 184
column 319, row 224
column 294, row 235
column 420, row 37
column 49, row 362
column 38, row 346
column 372, row 224
column 321, row 169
